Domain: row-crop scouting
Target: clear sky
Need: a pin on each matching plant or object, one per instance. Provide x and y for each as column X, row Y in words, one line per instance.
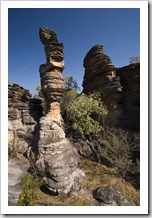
column 118, row 30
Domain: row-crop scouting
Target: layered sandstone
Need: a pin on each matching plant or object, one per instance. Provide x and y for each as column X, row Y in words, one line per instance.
column 24, row 113
column 130, row 81
column 119, row 88
column 100, row 76
column 57, row 159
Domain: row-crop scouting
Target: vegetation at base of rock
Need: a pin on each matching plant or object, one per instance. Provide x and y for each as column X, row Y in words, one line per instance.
column 29, row 195
column 80, row 113
column 96, row 174
column 120, row 149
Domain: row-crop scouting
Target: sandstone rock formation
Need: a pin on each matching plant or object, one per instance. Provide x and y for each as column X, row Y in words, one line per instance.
column 100, row 75
column 16, row 170
column 119, row 88
column 130, row 81
column 57, row 159
column 24, row 113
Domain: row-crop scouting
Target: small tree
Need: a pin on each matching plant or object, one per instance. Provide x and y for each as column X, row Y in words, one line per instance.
column 80, row 114
column 39, row 91
column 70, row 84
column 134, row 59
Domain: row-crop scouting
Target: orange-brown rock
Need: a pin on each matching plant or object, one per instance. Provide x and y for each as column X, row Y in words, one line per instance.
column 100, row 75
column 52, row 82
column 119, row 88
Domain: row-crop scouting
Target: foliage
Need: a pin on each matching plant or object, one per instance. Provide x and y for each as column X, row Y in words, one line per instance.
column 70, row 84
column 68, row 97
column 134, row 59
column 29, row 185
column 80, row 113
column 39, row 91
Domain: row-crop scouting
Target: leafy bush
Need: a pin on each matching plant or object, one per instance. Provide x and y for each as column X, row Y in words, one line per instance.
column 68, row 97
column 29, row 185
column 82, row 112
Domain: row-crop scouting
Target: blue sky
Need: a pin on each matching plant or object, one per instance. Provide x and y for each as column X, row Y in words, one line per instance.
column 118, row 30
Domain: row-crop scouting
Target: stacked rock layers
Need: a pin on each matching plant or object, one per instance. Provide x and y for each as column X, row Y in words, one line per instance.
column 57, row 158
column 130, row 80
column 100, row 75
column 119, row 88
column 24, row 113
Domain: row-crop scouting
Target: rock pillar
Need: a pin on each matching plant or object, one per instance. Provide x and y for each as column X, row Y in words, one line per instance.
column 100, row 76
column 57, row 158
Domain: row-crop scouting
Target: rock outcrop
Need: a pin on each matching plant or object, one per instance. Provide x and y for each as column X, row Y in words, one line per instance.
column 119, row 88
column 16, row 170
column 24, row 113
column 130, row 81
column 100, row 75
column 57, row 159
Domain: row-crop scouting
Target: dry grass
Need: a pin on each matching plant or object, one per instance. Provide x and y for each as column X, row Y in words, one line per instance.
column 96, row 175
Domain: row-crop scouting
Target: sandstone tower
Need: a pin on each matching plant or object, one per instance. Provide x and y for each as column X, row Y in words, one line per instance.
column 57, row 158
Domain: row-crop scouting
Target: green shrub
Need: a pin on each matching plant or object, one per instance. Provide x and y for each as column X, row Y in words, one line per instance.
column 68, row 97
column 82, row 111
column 29, row 185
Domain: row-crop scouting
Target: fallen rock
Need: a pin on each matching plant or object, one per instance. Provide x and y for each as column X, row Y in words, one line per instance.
column 111, row 197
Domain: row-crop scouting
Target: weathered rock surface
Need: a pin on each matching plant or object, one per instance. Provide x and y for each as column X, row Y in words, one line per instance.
column 130, row 81
column 52, row 82
column 100, row 75
column 24, row 113
column 57, row 159
column 109, row 196
column 119, row 88
column 16, row 170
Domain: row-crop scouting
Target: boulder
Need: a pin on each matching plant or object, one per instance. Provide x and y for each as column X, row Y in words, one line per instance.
column 110, row 196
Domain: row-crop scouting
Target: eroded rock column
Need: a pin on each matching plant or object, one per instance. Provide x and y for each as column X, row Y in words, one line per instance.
column 100, row 76
column 57, row 158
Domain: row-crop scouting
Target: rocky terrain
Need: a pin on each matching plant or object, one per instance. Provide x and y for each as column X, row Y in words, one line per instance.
column 37, row 140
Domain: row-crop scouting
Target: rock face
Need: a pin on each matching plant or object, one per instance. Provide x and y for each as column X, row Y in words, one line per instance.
column 57, row 159
column 100, row 75
column 16, row 169
column 52, row 82
column 119, row 88
column 24, row 113
column 130, row 81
